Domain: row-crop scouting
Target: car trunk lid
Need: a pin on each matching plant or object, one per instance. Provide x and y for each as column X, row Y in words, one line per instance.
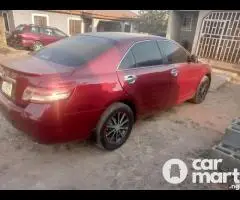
column 30, row 65
column 19, row 73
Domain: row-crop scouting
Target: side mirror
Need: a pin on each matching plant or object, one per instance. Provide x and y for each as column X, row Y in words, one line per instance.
column 192, row 58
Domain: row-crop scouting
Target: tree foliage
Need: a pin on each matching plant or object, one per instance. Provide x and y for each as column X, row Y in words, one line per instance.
column 153, row 21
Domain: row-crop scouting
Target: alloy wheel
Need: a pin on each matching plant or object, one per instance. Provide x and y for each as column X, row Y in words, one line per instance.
column 203, row 90
column 116, row 127
column 37, row 46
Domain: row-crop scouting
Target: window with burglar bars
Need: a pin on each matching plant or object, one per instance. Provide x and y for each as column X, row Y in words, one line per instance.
column 220, row 37
column 187, row 22
column 75, row 26
column 40, row 20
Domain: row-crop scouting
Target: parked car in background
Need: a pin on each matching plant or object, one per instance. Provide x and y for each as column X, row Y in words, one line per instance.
column 98, row 83
column 34, row 37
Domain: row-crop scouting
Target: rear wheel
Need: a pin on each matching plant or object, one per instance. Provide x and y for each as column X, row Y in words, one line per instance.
column 202, row 90
column 114, row 126
column 37, row 46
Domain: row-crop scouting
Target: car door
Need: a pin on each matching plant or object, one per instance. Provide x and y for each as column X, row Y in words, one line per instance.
column 47, row 36
column 33, row 33
column 144, row 77
column 184, row 79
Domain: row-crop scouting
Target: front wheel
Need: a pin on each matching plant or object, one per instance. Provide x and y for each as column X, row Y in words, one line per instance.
column 202, row 90
column 37, row 46
column 115, row 126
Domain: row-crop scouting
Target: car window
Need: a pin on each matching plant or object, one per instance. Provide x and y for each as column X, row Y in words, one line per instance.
column 74, row 51
column 59, row 33
column 128, row 61
column 19, row 28
column 34, row 29
column 147, row 54
column 47, row 31
column 173, row 52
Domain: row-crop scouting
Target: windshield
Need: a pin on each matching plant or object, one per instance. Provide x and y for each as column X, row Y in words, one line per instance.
column 59, row 33
column 74, row 51
column 19, row 28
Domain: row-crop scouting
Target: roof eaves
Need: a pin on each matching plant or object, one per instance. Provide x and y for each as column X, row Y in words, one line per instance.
column 100, row 16
column 94, row 15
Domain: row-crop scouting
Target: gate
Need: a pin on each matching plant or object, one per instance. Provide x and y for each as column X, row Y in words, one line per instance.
column 220, row 37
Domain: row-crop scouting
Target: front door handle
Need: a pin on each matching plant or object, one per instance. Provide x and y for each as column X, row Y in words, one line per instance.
column 130, row 78
column 174, row 72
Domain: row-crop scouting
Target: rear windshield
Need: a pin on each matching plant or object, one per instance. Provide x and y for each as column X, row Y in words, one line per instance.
column 19, row 28
column 74, row 51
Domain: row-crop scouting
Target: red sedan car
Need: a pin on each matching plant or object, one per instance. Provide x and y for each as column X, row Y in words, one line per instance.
column 34, row 37
column 98, row 83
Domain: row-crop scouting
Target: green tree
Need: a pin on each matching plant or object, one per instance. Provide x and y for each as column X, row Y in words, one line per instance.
column 153, row 21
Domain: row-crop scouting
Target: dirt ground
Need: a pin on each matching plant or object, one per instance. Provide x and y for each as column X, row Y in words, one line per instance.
column 186, row 132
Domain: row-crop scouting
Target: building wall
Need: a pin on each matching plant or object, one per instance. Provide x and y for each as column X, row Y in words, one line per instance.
column 57, row 20
column 173, row 25
column 10, row 19
column 134, row 27
column 188, row 35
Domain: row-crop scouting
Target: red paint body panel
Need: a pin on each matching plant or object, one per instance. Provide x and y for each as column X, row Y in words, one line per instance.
column 49, row 123
column 97, row 85
column 151, row 89
column 27, row 39
column 184, row 86
column 30, row 65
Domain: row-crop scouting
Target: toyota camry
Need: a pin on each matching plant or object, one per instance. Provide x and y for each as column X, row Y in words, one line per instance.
column 98, row 84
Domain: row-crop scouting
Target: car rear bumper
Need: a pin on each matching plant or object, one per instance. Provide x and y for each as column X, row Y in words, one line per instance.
column 20, row 42
column 26, row 43
column 77, row 126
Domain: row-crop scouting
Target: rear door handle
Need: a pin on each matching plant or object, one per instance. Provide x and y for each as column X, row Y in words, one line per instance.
column 174, row 72
column 130, row 78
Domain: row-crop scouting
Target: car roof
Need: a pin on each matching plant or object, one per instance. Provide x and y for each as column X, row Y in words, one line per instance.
column 123, row 36
column 39, row 26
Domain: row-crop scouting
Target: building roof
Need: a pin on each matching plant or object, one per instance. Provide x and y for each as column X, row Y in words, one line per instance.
column 102, row 14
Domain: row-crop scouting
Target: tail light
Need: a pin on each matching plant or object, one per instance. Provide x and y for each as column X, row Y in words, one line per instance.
column 19, row 36
column 43, row 95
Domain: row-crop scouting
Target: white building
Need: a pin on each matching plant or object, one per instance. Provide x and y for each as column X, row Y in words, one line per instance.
column 73, row 21
column 210, row 34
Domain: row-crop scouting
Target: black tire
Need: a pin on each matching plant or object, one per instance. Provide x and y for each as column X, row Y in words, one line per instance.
column 101, row 129
column 36, row 46
column 202, row 91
